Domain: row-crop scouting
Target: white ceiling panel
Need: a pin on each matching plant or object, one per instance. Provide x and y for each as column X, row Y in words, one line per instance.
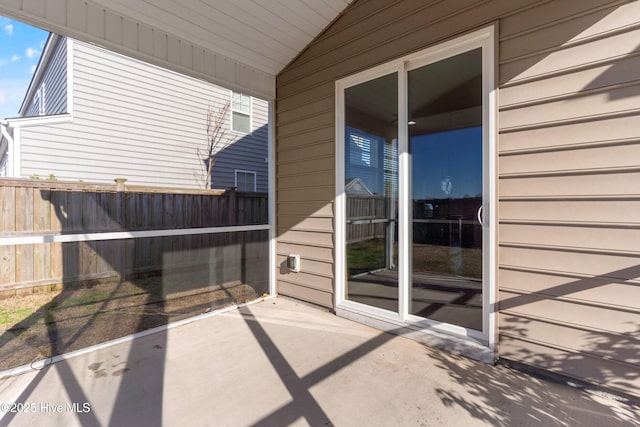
column 265, row 34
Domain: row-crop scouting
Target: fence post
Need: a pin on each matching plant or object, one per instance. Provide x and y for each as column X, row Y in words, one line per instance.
column 120, row 184
column 233, row 202
column 120, row 217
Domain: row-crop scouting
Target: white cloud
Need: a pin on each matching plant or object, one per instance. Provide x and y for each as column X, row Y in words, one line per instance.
column 32, row 69
column 8, row 29
column 3, row 98
column 31, row 52
column 15, row 58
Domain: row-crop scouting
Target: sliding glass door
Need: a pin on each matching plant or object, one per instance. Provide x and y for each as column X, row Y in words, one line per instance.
column 414, row 189
column 371, row 176
column 445, row 147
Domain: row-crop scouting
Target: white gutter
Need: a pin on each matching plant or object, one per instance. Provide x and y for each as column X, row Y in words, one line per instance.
column 4, row 131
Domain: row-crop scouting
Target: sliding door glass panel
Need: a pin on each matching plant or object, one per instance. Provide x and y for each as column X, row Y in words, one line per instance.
column 371, row 188
column 445, row 140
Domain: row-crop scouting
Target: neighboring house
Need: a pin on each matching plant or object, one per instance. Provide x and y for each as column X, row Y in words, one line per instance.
column 136, row 121
column 531, row 107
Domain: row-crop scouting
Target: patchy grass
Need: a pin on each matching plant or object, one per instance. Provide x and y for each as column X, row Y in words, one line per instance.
column 44, row 324
column 88, row 297
column 17, row 309
column 370, row 255
column 13, row 316
column 365, row 256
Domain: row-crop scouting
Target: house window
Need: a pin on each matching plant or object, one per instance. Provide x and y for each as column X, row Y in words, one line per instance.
column 246, row 181
column 241, row 112
column 39, row 101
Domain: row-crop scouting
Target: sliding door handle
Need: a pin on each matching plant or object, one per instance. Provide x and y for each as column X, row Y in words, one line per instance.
column 480, row 216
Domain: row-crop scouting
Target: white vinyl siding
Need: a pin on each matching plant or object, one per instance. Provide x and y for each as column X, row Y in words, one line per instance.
column 142, row 123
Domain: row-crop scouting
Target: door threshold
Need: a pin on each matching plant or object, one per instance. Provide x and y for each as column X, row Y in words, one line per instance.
column 467, row 347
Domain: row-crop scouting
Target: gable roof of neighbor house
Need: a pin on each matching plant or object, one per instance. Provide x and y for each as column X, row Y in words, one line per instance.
column 357, row 187
column 49, row 80
column 45, row 57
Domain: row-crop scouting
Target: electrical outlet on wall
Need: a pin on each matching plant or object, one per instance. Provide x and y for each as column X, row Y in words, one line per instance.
column 293, row 262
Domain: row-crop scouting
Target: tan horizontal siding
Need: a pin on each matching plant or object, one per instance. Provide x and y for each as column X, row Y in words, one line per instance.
column 316, row 238
column 592, row 212
column 568, row 59
column 583, row 366
column 563, row 184
column 569, row 336
column 306, row 208
column 590, row 317
column 591, row 106
column 569, row 260
column 591, row 157
column 293, row 181
column 592, row 79
column 307, row 252
column 582, row 134
column 300, row 223
column 303, row 289
column 613, row 238
column 313, row 150
column 320, row 106
column 310, row 192
column 600, row 290
column 323, row 135
column 587, row 21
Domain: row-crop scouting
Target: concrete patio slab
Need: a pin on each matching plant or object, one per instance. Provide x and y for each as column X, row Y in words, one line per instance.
column 279, row 362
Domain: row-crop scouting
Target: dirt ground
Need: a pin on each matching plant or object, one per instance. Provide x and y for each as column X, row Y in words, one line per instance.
column 41, row 325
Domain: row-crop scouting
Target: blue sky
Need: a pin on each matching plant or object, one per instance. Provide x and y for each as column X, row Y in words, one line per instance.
column 20, row 49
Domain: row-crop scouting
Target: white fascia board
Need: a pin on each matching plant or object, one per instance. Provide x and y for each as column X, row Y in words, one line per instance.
column 23, row 122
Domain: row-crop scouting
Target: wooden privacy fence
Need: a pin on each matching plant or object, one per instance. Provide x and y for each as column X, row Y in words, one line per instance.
column 33, row 208
column 366, row 218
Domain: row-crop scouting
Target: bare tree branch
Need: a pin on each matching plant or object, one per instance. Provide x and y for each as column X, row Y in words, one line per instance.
column 216, row 140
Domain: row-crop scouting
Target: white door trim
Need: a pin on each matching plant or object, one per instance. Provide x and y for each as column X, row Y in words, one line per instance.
column 482, row 343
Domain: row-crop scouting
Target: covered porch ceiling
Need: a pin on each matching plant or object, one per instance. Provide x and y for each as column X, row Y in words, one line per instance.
column 239, row 44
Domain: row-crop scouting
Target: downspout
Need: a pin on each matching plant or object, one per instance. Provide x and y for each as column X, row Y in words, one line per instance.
column 4, row 125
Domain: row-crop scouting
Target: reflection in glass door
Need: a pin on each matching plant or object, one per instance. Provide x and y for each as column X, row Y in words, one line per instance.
column 371, row 190
column 415, row 172
column 446, row 152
